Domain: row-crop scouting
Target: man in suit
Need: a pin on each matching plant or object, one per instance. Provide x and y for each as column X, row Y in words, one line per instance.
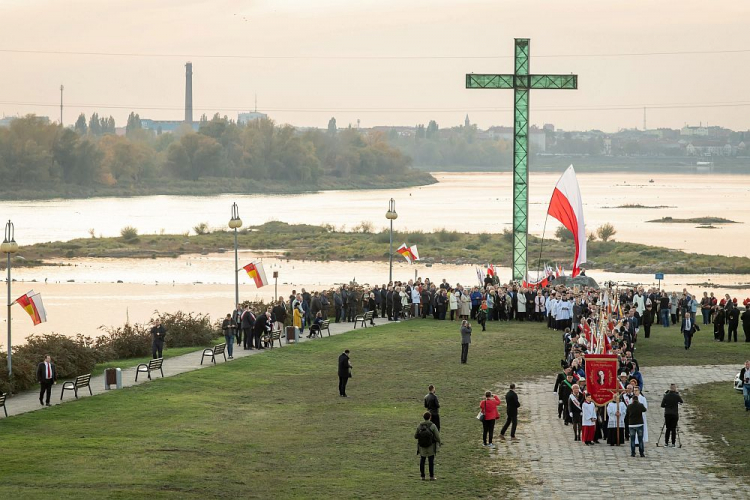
column 511, row 407
column 47, row 377
column 344, row 372
column 246, row 323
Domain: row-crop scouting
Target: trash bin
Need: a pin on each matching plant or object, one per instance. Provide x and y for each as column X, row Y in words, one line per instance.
column 292, row 334
column 112, row 377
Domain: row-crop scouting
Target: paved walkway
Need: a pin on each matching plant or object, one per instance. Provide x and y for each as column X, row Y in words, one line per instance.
column 550, row 465
column 29, row 401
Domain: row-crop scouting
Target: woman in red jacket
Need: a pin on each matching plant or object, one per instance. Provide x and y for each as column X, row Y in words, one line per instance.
column 489, row 407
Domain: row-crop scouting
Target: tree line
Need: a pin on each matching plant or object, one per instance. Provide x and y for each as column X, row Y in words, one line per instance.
column 34, row 151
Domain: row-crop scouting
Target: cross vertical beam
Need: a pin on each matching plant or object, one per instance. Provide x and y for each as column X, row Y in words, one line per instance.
column 521, row 81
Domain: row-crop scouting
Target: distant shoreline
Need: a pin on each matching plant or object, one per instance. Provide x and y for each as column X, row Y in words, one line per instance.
column 209, row 187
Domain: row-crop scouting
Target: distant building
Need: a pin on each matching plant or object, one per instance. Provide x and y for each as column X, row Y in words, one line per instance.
column 161, row 126
column 688, row 131
column 250, row 117
column 5, row 121
column 537, row 137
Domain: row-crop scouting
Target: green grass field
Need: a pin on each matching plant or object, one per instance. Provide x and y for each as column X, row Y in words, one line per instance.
column 273, row 426
column 723, row 419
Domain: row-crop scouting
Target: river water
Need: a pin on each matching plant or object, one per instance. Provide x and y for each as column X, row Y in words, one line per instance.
column 473, row 202
column 83, row 294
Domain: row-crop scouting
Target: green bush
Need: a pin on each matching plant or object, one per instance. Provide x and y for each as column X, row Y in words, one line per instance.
column 201, row 228
column 129, row 341
column 446, row 236
column 129, row 233
column 188, row 329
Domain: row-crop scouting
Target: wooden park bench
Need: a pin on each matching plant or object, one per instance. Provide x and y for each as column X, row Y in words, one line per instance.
column 153, row 365
column 2, row 402
column 215, row 351
column 80, row 382
column 271, row 337
column 325, row 325
column 362, row 318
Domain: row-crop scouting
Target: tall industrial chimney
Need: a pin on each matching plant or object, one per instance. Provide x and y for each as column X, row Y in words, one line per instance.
column 189, row 93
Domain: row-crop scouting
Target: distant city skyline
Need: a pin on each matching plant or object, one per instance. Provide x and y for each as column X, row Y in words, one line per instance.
column 380, row 62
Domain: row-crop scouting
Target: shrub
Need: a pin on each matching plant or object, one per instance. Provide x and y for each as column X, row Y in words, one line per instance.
column 129, row 233
column 563, row 234
column 446, row 236
column 606, row 231
column 129, row 341
column 188, row 329
column 484, row 238
column 201, row 228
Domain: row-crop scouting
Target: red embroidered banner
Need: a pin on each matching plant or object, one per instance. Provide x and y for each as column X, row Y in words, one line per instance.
column 601, row 377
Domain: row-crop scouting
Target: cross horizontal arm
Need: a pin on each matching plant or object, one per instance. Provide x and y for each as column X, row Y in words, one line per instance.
column 474, row 81
column 553, row 81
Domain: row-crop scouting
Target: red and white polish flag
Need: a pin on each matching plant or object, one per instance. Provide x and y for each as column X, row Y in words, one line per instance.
column 567, row 207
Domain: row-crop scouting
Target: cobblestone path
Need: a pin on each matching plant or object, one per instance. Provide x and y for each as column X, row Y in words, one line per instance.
column 551, row 465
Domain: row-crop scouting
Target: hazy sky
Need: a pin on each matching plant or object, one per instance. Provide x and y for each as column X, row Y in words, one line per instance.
column 338, row 66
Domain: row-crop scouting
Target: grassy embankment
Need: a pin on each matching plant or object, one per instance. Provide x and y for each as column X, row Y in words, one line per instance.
column 324, row 243
column 214, row 186
column 273, row 426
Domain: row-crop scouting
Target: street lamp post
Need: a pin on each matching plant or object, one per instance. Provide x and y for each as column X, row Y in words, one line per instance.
column 235, row 223
column 9, row 246
column 391, row 215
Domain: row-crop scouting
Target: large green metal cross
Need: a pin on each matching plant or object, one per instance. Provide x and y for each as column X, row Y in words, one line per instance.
column 521, row 82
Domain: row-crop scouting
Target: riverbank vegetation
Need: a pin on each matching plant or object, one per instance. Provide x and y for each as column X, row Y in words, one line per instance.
column 39, row 159
column 365, row 243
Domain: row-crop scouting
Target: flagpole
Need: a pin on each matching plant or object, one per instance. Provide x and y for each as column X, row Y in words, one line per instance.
column 9, row 246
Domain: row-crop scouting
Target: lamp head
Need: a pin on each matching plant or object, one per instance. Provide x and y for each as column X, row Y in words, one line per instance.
column 235, row 222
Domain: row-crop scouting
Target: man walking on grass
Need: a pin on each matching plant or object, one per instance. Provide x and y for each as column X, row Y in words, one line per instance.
column 433, row 405
column 511, row 407
column 345, row 372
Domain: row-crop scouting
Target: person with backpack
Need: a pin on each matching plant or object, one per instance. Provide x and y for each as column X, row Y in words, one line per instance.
column 428, row 440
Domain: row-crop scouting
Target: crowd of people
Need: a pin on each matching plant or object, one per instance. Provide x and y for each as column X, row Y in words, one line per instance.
column 631, row 313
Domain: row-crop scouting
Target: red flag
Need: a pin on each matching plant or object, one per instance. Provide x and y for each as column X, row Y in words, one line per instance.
column 601, row 377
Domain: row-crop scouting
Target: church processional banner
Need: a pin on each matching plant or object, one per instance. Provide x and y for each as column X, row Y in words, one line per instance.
column 601, row 377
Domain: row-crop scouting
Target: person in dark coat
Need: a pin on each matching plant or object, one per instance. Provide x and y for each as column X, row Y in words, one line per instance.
column 383, row 301
column 260, row 327
column 338, row 305
column 719, row 325
column 46, row 374
column 316, row 305
column 733, row 321
column 246, row 323
column 237, row 318
column 345, row 372
column 433, row 405
column 157, row 334
column 746, row 323
column 465, row 340
column 511, row 407
column 670, row 402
